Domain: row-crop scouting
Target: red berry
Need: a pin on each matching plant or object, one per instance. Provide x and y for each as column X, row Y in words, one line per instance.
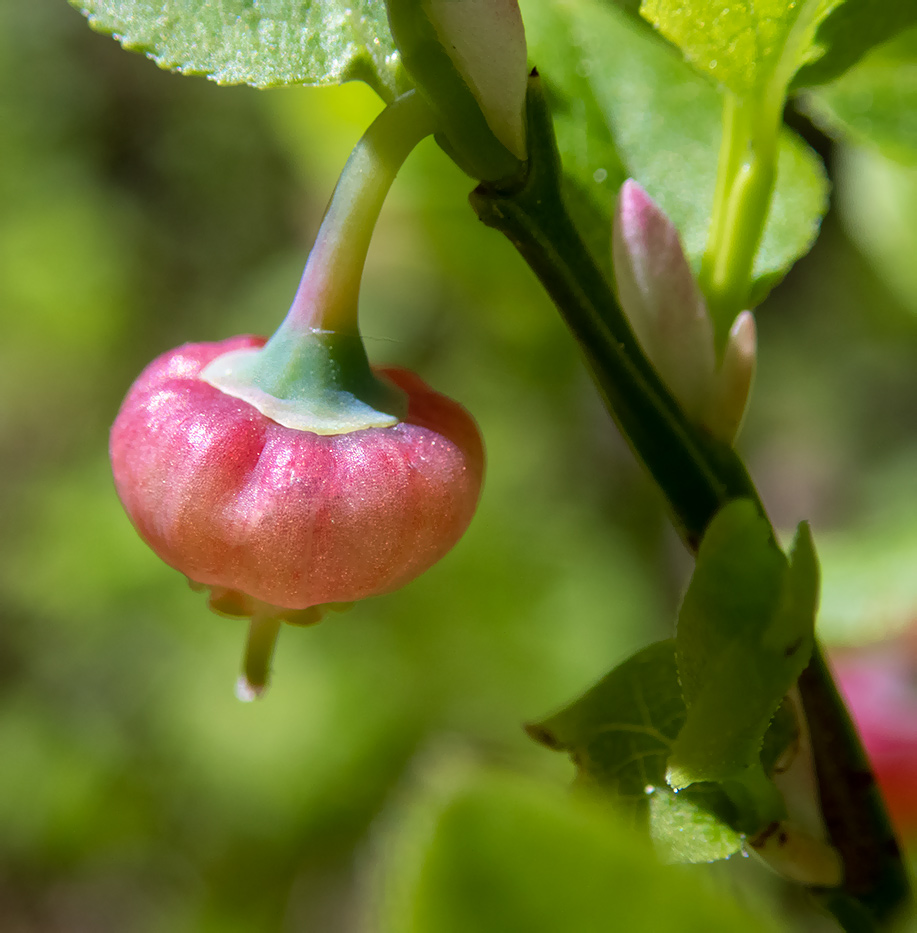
column 265, row 514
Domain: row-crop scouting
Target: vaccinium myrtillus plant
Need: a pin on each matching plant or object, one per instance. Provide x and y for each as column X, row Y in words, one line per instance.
column 690, row 735
column 287, row 475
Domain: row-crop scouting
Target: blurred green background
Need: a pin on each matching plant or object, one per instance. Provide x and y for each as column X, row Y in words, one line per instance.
column 140, row 210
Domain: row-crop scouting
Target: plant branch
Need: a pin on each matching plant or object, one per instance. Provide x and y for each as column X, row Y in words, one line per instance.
column 696, row 473
column 697, row 476
column 874, row 872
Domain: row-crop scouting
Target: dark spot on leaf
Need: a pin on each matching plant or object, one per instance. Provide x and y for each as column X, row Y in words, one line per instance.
column 542, row 736
column 764, row 835
column 791, row 649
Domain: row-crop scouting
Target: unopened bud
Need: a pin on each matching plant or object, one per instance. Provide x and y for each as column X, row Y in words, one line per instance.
column 733, row 381
column 665, row 308
column 661, row 300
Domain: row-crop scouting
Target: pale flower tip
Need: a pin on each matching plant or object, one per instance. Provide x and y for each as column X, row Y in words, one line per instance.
column 743, row 337
column 634, row 204
column 248, row 692
column 733, row 385
column 643, row 224
column 630, row 244
column 486, row 41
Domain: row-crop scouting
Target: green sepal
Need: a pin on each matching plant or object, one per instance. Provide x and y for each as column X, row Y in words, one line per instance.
column 319, row 382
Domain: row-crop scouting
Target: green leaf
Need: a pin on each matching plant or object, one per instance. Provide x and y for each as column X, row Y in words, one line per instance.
column 851, row 30
column 762, row 47
column 877, row 199
column 642, row 112
column 875, row 102
column 493, row 852
column 267, row 44
column 745, row 633
column 753, row 47
column 870, row 588
column 620, row 734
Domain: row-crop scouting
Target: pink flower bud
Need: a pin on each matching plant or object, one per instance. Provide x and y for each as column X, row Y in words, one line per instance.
column 276, row 520
column 661, row 299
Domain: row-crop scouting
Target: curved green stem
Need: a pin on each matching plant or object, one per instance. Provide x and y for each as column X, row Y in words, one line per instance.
column 256, row 665
column 313, row 374
column 745, row 181
column 697, row 477
column 746, row 173
column 327, row 294
column 732, row 147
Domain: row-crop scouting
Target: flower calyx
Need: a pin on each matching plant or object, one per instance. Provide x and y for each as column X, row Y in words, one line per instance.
column 318, row 381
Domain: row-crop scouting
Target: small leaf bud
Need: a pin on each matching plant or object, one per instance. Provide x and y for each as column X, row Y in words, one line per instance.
column 733, row 381
column 661, row 299
column 670, row 319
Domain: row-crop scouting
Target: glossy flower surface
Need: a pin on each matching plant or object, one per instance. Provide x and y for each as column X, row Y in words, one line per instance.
column 275, row 519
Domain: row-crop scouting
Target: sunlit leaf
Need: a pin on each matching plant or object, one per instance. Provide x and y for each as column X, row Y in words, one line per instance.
column 282, row 42
column 762, row 47
column 754, row 47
